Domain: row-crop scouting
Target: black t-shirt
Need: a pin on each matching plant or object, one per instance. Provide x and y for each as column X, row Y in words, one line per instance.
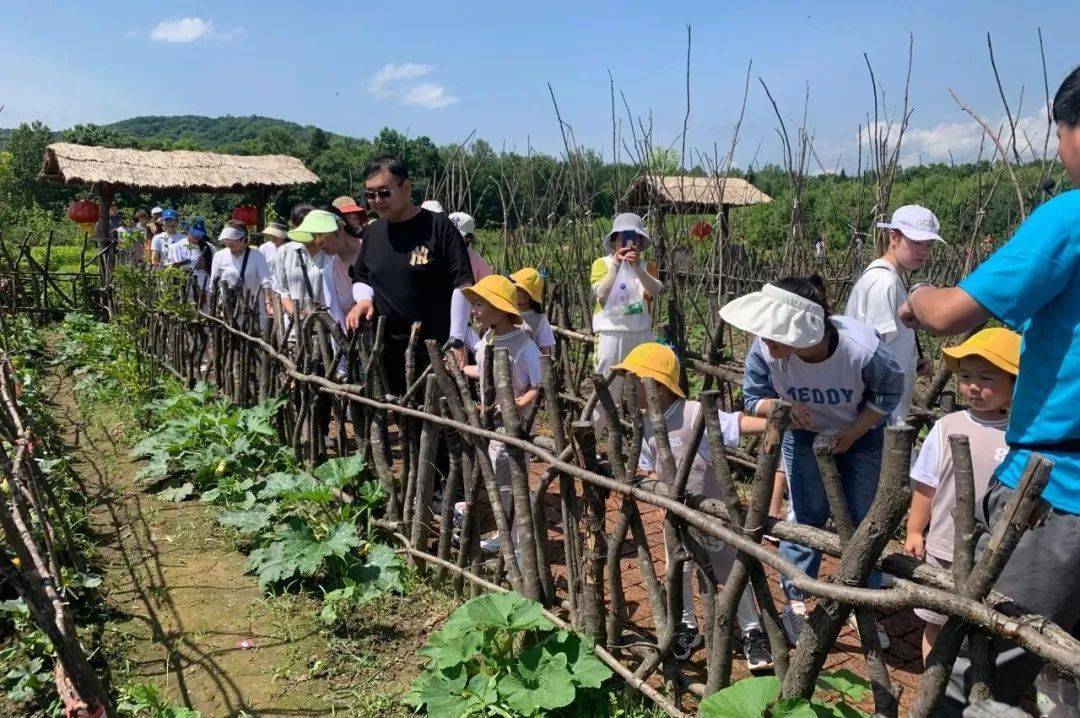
column 413, row 268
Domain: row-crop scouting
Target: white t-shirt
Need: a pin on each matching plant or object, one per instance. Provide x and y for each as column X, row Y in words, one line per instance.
column 538, row 325
column 269, row 252
column 934, row 468
column 875, row 301
column 289, row 273
column 191, row 255
column 524, row 360
column 226, row 267
column 729, row 425
column 162, row 242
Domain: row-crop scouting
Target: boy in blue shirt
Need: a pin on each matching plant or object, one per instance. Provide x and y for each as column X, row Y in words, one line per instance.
column 1031, row 285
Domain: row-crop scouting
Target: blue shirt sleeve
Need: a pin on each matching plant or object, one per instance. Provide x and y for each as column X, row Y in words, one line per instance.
column 884, row 380
column 757, row 380
column 1034, row 266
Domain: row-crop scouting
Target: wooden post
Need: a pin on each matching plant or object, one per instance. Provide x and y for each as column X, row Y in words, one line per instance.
column 260, row 208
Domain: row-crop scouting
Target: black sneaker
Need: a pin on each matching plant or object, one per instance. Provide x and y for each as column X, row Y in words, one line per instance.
column 686, row 640
column 756, row 650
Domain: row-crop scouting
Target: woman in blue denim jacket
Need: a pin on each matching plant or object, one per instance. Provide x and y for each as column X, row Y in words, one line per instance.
column 841, row 380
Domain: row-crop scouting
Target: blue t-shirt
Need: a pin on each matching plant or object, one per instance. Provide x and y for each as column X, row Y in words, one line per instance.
column 1032, row 285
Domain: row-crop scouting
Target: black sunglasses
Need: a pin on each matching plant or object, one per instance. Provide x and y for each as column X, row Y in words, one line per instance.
column 383, row 193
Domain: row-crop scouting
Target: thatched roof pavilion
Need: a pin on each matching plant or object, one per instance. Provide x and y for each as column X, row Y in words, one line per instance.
column 108, row 169
column 681, row 194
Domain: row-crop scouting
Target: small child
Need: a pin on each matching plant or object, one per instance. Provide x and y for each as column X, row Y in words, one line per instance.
column 530, row 295
column 985, row 366
column 658, row 362
column 493, row 301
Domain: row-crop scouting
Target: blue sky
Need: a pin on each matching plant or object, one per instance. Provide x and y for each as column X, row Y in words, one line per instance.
column 446, row 69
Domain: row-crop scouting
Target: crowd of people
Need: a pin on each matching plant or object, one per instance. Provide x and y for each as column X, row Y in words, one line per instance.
column 847, row 375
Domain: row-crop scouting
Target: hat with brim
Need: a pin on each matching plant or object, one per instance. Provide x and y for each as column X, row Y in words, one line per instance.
column 276, row 229
column 498, row 291
column 317, row 221
column 627, row 222
column 529, row 281
column 778, row 315
column 655, row 361
column 996, row 345
column 346, row 204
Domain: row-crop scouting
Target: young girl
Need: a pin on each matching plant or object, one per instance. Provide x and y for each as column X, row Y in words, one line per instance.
column 841, row 380
column 493, row 301
column 986, row 366
column 530, row 295
column 659, row 362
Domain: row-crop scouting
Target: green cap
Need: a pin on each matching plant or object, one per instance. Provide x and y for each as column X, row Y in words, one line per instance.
column 317, row 221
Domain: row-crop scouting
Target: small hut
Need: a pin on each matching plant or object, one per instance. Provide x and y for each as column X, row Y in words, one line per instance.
column 108, row 169
column 692, row 195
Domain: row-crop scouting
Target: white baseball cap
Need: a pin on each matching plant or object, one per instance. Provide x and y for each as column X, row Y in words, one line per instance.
column 915, row 222
column 464, row 222
column 156, row 210
column 628, row 222
column 433, row 205
column 779, row 315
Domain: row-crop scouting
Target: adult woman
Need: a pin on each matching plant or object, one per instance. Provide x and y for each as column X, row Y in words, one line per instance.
column 624, row 327
column 240, row 266
column 343, row 246
column 301, row 264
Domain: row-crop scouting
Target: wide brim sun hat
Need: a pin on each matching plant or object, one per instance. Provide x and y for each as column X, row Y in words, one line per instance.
column 275, row 229
column 778, row 315
column 627, row 221
column 655, row 361
column 464, row 222
column 317, row 221
column 529, row 280
column 999, row 346
column 498, row 291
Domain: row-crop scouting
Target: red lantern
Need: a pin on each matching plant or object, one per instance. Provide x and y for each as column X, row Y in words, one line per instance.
column 85, row 214
column 247, row 214
column 701, row 230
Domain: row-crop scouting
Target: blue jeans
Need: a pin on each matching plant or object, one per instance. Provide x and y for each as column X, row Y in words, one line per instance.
column 859, row 469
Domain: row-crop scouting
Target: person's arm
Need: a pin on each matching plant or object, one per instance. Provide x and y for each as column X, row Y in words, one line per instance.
column 884, row 381
column 867, row 419
column 601, row 279
column 472, row 371
column 459, row 267
column 650, row 285
column 752, row 424
column 527, row 397
column 1016, row 281
column 757, row 386
column 947, row 311
column 922, row 497
column 776, row 503
column 363, row 294
column 282, row 284
column 459, row 315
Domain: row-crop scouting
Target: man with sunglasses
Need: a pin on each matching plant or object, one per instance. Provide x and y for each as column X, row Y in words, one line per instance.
column 409, row 265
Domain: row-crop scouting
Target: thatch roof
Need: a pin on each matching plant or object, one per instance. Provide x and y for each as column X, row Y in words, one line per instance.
column 178, row 169
column 679, row 192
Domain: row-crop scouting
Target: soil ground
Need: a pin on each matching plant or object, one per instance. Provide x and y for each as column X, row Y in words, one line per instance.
column 187, row 618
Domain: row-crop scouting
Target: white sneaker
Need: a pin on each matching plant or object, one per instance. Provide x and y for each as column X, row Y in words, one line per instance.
column 491, row 544
column 883, row 637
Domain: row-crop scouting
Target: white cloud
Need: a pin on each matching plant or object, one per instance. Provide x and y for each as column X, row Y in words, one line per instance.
column 191, row 29
column 428, row 95
column 186, row 29
column 966, row 141
column 392, row 82
column 382, row 84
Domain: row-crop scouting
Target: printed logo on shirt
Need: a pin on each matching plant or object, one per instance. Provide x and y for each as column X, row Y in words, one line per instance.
column 1000, row 454
column 419, row 256
column 829, row 397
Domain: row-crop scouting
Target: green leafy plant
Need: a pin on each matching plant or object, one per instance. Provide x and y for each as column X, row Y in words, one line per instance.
column 497, row 655
column 143, row 700
column 759, row 697
column 27, row 660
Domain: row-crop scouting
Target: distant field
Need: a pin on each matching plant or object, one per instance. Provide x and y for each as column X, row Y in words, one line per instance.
column 64, row 258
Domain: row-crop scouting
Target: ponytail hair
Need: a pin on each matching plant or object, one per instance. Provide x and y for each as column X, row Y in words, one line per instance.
column 811, row 287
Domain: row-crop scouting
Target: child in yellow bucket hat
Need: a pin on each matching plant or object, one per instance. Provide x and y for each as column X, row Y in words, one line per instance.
column 658, row 362
column 530, row 303
column 985, row 366
column 494, row 306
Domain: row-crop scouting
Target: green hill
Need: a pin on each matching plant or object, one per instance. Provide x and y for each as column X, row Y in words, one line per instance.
column 209, row 133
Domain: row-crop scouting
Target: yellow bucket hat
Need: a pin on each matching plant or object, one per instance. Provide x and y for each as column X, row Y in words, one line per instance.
column 498, row 291
column 530, row 280
column 998, row 346
column 655, row 361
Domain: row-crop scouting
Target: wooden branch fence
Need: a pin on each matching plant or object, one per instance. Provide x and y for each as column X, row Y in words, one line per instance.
column 579, row 507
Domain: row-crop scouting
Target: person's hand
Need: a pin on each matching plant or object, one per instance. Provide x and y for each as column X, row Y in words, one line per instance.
column 457, row 355
column 363, row 311
column 843, row 439
column 925, row 367
column 915, row 545
column 630, row 254
column 801, row 417
column 907, row 316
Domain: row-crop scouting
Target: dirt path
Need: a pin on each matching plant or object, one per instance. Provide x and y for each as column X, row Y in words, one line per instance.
column 185, row 612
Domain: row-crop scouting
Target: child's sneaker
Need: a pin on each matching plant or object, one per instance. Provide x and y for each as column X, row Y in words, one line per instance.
column 883, row 638
column 756, row 650
column 491, row 544
column 686, row 640
column 794, row 620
